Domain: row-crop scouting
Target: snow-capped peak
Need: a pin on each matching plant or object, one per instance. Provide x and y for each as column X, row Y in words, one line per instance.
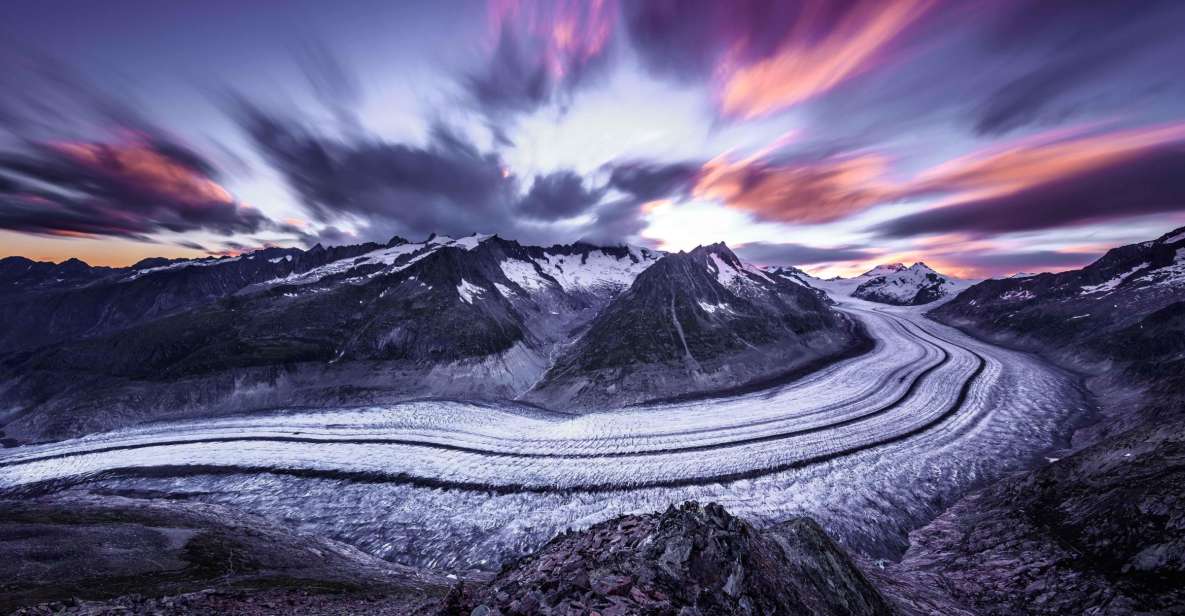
column 472, row 241
column 885, row 269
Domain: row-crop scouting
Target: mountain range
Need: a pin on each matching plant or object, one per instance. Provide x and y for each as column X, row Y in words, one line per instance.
column 479, row 317
column 1098, row 530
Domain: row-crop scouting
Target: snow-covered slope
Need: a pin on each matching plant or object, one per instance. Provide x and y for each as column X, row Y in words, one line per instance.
column 896, row 284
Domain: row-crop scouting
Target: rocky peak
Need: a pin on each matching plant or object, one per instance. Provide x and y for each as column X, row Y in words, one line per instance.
column 687, row 561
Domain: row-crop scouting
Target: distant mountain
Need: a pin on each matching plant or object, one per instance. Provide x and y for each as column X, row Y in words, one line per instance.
column 478, row 317
column 906, row 286
column 695, row 321
column 896, row 284
column 45, row 303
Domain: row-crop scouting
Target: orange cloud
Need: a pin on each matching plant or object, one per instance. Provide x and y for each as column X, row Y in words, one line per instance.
column 813, row 192
column 139, row 165
column 1038, row 159
column 806, row 65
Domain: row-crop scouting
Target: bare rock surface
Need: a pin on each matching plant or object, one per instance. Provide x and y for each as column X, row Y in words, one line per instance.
column 691, row 560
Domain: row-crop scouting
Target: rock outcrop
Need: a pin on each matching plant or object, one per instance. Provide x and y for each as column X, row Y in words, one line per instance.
column 687, row 561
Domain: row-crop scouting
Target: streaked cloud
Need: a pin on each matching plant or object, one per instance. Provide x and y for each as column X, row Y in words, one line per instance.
column 817, row 54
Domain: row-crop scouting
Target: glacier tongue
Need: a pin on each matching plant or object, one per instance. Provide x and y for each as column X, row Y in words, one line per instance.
column 857, row 445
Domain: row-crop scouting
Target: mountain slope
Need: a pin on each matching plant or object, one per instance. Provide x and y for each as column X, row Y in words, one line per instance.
column 1121, row 318
column 695, row 322
column 477, row 317
column 46, row 303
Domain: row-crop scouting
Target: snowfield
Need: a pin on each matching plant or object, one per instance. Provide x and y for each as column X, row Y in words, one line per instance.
column 871, row 447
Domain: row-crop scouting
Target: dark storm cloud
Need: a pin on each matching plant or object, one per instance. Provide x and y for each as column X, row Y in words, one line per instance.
column 558, row 195
column 1145, row 183
column 513, row 80
column 189, row 244
column 446, row 186
column 649, row 180
column 1078, row 45
column 686, row 39
column 770, row 253
column 439, row 187
column 1037, row 260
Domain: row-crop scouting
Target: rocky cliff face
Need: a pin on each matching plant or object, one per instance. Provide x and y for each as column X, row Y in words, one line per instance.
column 693, row 322
column 88, row 554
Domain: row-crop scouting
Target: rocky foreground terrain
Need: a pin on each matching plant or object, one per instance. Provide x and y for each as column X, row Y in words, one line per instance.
column 109, row 555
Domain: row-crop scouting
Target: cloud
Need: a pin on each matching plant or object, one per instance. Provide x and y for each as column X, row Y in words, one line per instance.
column 766, row 55
column 820, row 53
column 447, row 185
column 1037, row 260
column 649, row 180
column 1078, row 45
column 558, row 195
column 797, row 191
column 544, row 51
column 1144, row 182
column 85, row 163
column 769, row 253
column 132, row 189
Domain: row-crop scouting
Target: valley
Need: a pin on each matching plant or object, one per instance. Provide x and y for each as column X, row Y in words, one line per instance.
column 871, row 447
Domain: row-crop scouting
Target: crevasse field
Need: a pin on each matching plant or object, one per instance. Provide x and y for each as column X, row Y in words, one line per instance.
column 870, row 447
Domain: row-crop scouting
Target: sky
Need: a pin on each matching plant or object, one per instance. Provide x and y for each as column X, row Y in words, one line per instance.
column 984, row 138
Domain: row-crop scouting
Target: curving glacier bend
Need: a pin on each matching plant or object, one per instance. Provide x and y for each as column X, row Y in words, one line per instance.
column 870, row 447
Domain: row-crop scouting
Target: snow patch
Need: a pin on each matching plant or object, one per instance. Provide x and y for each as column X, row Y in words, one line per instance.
column 713, row 308
column 468, row 291
column 726, row 274
column 471, row 242
column 1017, row 296
column 1110, row 285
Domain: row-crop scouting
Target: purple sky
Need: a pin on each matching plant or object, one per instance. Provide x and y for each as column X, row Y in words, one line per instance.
column 982, row 137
